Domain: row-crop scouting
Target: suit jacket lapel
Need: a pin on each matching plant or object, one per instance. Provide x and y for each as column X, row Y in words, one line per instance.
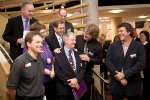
column 20, row 24
column 120, row 50
column 55, row 40
column 130, row 48
column 77, row 61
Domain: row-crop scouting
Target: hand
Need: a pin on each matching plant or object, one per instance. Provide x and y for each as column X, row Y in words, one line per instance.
column 73, row 83
column 47, row 71
column 84, row 57
column 20, row 40
column 119, row 75
column 124, row 82
column 52, row 73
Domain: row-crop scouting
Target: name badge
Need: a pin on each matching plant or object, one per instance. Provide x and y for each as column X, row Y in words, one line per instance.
column 27, row 65
column 133, row 55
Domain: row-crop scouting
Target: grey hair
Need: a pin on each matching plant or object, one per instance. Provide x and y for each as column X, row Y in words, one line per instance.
column 68, row 34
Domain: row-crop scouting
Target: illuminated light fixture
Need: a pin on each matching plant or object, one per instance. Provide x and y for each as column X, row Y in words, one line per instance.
column 46, row 8
column 68, row 15
column 75, row 23
column 142, row 16
column 116, row 11
column 101, row 18
column 148, row 19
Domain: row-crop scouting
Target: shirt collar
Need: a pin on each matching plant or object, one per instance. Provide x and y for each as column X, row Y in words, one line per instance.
column 66, row 50
column 30, row 57
column 24, row 19
column 58, row 36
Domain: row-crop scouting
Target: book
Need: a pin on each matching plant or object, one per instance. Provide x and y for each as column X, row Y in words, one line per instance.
column 81, row 91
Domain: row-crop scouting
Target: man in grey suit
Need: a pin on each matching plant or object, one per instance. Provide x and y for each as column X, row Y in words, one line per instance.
column 125, row 60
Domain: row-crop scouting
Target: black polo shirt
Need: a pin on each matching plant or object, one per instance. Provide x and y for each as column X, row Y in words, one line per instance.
column 26, row 76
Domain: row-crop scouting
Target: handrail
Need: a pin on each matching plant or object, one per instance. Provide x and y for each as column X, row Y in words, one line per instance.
column 100, row 77
column 6, row 54
column 6, row 61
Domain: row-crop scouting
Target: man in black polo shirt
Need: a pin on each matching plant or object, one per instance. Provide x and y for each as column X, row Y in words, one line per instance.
column 25, row 81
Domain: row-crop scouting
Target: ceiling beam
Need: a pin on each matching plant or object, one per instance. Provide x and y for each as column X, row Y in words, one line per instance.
column 17, row 3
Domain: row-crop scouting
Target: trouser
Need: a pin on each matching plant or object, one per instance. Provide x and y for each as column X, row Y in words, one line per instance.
column 29, row 98
column 120, row 97
column 88, row 95
column 65, row 97
column 50, row 90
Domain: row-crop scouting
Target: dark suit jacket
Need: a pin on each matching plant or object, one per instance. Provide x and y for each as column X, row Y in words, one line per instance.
column 146, row 80
column 68, row 28
column 64, row 72
column 13, row 31
column 147, row 51
column 94, row 52
column 132, row 65
column 52, row 42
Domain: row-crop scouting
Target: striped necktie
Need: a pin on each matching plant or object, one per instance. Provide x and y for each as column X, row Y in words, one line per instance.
column 71, row 60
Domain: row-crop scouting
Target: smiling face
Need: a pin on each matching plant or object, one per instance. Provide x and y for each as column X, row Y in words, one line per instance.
column 142, row 38
column 87, row 36
column 60, row 29
column 70, row 41
column 36, row 44
column 123, row 34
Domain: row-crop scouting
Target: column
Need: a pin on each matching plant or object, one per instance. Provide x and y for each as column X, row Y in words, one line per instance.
column 92, row 11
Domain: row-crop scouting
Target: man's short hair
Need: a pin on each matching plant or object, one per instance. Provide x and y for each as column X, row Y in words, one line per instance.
column 128, row 27
column 62, row 8
column 68, row 34
column 93, row 30
column 57, row 22
column 26, row 3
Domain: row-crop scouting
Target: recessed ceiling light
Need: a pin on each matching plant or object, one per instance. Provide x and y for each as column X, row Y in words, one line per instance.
column 142, row 16
column 148, row 19
column 103, row 18
column 116, row 11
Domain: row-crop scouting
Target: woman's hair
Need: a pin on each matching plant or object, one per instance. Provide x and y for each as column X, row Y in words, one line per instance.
column 146, row 33
column 93, row 30
column 36, row 26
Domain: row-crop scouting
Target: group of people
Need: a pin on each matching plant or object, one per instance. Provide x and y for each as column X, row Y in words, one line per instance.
column 55, row 64
column 49, row 65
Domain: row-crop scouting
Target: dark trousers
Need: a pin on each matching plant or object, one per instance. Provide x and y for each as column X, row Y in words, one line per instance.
column 89, row 82
column 29, row 98
column 120, row 97
column 50, row 90
column 134, row 98
column 65, row 97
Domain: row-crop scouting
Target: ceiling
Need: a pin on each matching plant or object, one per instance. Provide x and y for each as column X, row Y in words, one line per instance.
column 11, row 8
column 129, row 10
